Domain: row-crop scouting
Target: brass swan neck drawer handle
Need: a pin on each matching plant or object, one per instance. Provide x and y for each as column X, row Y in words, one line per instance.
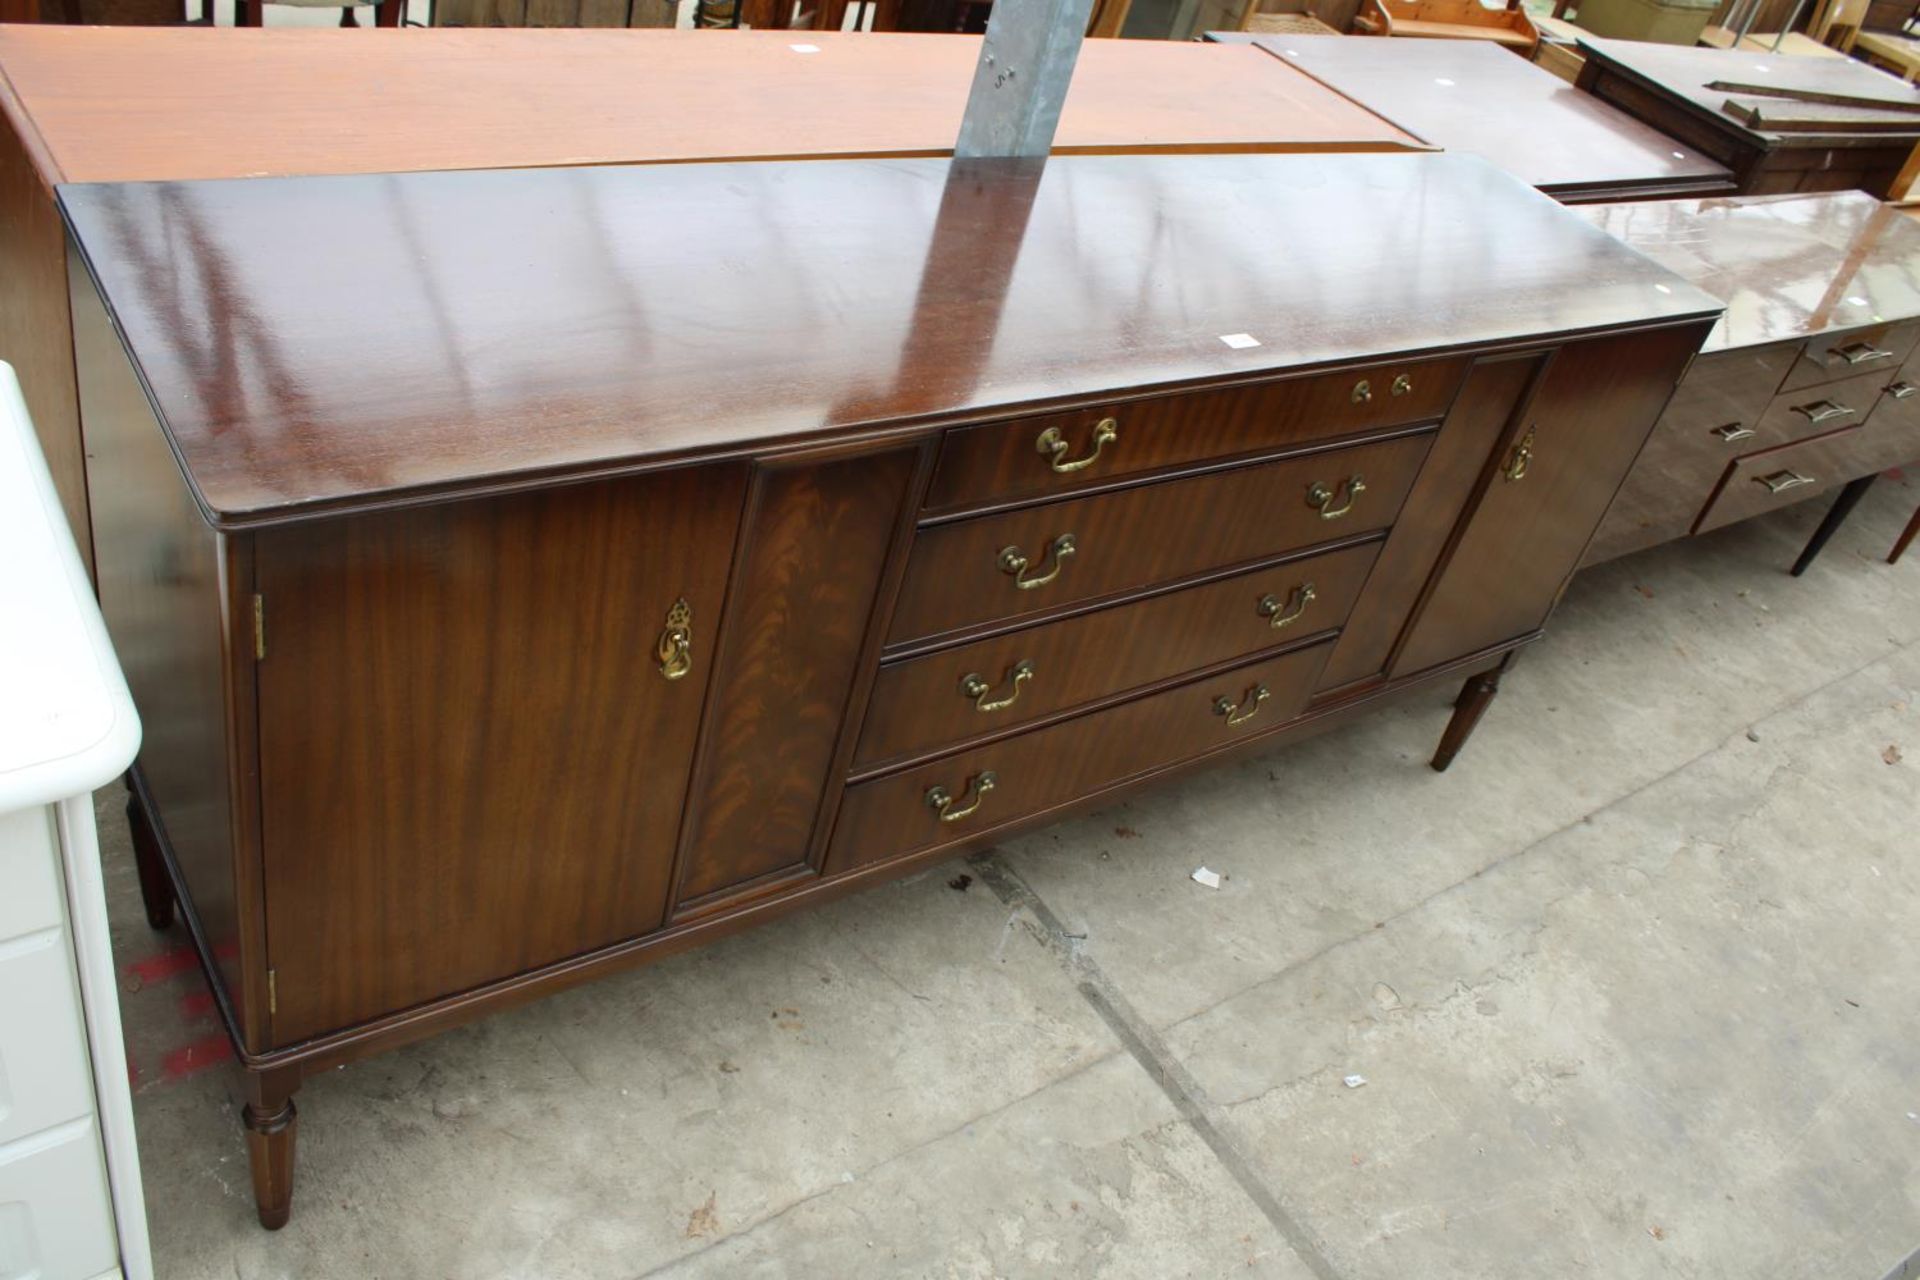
column 1733, row 432
column 1053, row 446
column 1823, row 411
column 975, row 686
column 674, row 651
column 1318, row 495
column 1519, row 458
column 1297, row 601
column 940, row 800
column 1902, row 389
column 1246, row 709
column 1861, row 353
column 1014, row 561
column 1781, row 481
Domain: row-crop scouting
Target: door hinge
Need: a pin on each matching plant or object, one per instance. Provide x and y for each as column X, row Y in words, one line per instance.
column 273, row 991
column 259, row 627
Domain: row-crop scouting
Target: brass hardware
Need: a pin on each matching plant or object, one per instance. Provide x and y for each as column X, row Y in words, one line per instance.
column 1246, row 709
column 1362, row 392
column 1823, row 411
column 1318, row 495
column 1402, row 384
column 1901, row 390
column 1781, row 481
column 1733, row 431
column 273, row 991
column 1519, row 458
column 1861, row 352
column 940, row 800
column 259, row 628
column 1014, row 561
column 1054, row 445
column 975, row 686
column 1297, row 602
column 675, row 650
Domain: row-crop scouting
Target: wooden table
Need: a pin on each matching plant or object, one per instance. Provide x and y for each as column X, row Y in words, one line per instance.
column 1808, row 382
column 108, row 104
column 1467, row 95
column 574, row 605
column 1666, row 86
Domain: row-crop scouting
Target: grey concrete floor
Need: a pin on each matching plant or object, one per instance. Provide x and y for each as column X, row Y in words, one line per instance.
column 1631, row 989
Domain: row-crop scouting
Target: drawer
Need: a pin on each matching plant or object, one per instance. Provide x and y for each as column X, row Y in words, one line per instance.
column 977, row 790
column 925, row 703
column 1810, row 411
column 56, row 1219
column 1065, row 451
column 999, row 568
column 44, row 1077
column 30, row 893
column 1880, row 348
column 1781, row 477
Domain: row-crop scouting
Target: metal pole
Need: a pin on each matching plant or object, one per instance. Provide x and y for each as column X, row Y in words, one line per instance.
column 1020, row 82
column 1788, row 24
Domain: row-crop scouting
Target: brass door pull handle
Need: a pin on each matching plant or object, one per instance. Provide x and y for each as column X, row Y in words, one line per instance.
column 975, row 686
column 1901, row 390
column 1861, row 352
column 1014, row 561
column 940, row 800
column 1318, row 495
column 674, row 651
column 1823, row 411
column 1280, row 619
column 1733, row 432
column 1053, row 446
column 1781, row 481
column 1402, row 384
column 1519, row 458
column 1246, row 709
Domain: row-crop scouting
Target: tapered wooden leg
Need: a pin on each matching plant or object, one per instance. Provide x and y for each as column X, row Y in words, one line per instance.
column 1837, row 514
column 1906, row 538
column 156, row 891
column 271, row 1124
column 1472, row 703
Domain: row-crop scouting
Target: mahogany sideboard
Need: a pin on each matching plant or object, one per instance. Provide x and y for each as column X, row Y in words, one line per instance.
column 115, row 104
column 515, row 604
column 1809, row 381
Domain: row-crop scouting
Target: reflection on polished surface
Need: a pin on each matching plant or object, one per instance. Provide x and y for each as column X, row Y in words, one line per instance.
column 1786, row 266
column 320, row 340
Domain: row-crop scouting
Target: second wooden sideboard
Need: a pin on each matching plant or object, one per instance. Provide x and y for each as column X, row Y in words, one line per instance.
column 540, row 598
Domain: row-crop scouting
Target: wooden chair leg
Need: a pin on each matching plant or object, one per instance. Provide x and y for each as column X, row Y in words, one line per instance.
column 1475, row 697
column 390, row 13
column 249, row 13
column 1906, row 538
column 271, row 1123
column 156, row 890
column 1837, row 514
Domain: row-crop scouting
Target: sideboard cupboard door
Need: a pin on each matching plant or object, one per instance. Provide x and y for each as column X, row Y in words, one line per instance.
column 475, row 727
column 1545, row 492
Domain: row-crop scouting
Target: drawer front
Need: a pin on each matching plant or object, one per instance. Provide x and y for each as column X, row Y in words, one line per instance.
column 978, row 790
column 1806, row 412
column 44, row 1079
column 925, row 703
column 1064, row 451
column 1891, row 437
column 30, row 873
column 56, row 1220
column 1000, row 568
column 1880, row 348
column 1781, row 477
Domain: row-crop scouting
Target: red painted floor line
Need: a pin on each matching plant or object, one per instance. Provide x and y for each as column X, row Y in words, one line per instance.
column 196, row 1005
column 197, row 1056
column 166, row 965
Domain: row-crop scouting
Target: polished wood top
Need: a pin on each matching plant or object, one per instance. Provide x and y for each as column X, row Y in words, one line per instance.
column 1683, row 74
column 114, row 104
column 1470, row 95
column 1786, row 266
column 324, row 342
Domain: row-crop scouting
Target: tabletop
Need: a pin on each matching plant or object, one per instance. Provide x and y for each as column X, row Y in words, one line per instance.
column 1786, row 266
column 131, row 103
column 1470, row 95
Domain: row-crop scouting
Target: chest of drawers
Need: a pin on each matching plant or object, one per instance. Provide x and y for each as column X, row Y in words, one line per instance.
column 626, row 596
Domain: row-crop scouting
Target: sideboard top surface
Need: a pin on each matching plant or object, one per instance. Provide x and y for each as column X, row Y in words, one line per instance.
column 1787, row 266
column 314, row 344
column 231, row 103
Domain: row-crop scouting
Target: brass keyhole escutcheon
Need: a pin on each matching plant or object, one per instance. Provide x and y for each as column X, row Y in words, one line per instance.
column 941, row 800
column 1519, row 458
column 1015, row 563
column 1053, row 446
column 675, row 649
column 1297, row 601
column 975, row 686
column 1321, row 497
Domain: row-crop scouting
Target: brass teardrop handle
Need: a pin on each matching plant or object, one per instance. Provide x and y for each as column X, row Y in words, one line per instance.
column 1402, row 384
column 674, row 651
column 1054, row 446
column 1246, row 709
column 940, row 800
column 1014, row 562
column 975, row 686
column 1519, row 458
column 1318, row 495
column 1362, row 392
column 1297, row 602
